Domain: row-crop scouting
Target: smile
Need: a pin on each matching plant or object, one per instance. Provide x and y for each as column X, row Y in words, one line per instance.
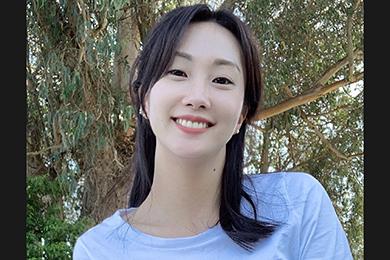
column 191, row 124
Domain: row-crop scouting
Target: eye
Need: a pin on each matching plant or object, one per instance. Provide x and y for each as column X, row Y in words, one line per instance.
column 177, row 73
column 222, row 80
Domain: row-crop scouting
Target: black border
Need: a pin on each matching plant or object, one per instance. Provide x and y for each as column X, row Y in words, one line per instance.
column 13, row 129
column 376, row 129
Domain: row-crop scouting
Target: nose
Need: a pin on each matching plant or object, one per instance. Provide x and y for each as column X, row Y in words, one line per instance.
column 197, row 96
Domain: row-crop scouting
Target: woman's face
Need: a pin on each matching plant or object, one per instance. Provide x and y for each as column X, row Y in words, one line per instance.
column 197, row 106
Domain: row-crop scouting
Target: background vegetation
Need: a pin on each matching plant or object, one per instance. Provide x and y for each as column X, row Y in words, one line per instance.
column 80, row 129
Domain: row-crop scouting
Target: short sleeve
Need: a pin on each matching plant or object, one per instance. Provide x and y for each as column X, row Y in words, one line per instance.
column 79, row 251
column 321, row 233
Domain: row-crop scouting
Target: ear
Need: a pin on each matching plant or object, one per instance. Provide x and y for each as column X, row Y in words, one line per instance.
column 241, row 119
column 146, row 103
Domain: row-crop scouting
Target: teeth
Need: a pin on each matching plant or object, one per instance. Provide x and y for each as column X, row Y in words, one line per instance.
column 191, row 124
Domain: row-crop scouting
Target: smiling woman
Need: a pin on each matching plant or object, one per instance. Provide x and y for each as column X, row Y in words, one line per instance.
column 197, row 85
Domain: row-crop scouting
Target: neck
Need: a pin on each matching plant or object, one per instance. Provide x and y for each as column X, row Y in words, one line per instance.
column 185, row 192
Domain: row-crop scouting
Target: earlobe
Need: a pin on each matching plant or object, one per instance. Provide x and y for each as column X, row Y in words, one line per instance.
column 146, row 104
column 146, row 108
column 242, row 116
column 142, row 113
column 241, row 120
column 239, row 124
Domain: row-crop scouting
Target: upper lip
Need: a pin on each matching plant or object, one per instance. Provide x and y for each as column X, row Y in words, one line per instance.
column 195, row 119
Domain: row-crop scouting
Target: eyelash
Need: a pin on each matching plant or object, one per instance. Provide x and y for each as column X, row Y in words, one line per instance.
column 183, row 74
column 174, row 73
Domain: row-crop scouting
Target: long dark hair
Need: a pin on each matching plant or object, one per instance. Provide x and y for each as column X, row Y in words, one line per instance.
column 151, row 64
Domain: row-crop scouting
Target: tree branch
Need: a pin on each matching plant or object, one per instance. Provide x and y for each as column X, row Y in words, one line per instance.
column 296, row 167
column 44, row 150
column 228, row 4
column 310, row 96
column 349, row 38
column 350, row 46
column 264, row 159
column 102, row 22
column 345, row 106
column 335, row 68
column 324, row 140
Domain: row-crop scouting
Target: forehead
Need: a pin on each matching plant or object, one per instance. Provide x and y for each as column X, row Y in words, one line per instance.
column 209, row 40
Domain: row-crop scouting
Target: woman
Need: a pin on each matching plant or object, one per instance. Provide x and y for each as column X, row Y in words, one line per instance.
column 196, row 84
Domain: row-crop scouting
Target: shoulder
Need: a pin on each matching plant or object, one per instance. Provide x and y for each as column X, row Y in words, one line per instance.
column 298, row 193
column 314, row 217
column 283, row 183
column 300, row 201
column 107, row 225
column 98, row 238
column 281, row 193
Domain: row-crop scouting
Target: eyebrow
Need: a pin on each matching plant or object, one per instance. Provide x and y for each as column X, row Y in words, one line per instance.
column 216, row 61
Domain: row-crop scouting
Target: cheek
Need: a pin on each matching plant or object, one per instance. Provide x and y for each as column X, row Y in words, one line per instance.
column 161, row 99
column 232, row 108
column 154, row 98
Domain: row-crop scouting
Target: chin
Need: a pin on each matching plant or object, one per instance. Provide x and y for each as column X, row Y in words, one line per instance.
column 190, row 153
column 194, row 152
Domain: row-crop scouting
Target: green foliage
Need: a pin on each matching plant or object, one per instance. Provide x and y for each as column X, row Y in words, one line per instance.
column 72, row 106
column 50, row 235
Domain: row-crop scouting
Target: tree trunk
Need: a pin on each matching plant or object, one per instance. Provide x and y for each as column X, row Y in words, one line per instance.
column 108, row 184
column 128, row 39
column 264, row 163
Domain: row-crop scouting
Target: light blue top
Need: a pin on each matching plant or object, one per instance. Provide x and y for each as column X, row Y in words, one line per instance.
column 310, row 229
